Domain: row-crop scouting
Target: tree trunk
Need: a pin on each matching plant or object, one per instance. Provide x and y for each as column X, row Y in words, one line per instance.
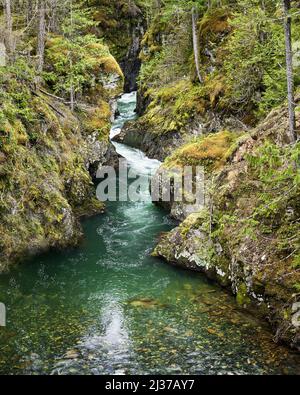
column 41, row 36
column 53, row 15
column 9, row 27
column 195, row 43
column 2, row 54
column 72, row 92
column 158, row 5
column 72, row 98
column 289, row 69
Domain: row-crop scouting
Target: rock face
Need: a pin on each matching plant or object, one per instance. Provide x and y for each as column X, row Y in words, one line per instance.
column 153, row 144
column 131, row 64
column 245, row 272
column 191, row 247
column 122, row 25
column 159, row 144
column 246, row 236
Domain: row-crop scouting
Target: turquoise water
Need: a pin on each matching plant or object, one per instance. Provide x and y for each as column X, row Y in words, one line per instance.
column 109, row 307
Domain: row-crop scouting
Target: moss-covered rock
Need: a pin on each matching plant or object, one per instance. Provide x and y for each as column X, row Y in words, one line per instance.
column 249, row 238
column 190, row 247
column 211, row 151
column 48, row 155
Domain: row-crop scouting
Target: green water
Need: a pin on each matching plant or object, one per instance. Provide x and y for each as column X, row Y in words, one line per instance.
column 108, row 307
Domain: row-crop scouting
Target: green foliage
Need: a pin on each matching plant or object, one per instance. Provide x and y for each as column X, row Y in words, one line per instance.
column 44, row 150
column 242, row 53
column 278, row 176
column 296, row 261
column 76, row 59
column 252, row 42
column 255, row 57
column 258, row 207
column 79, row 21
column 43, row 176
column 15, row 96
column 166, row 61
column 73, row 62
column 150, row 70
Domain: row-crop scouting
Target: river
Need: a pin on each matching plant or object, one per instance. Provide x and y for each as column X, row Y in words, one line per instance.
column 108, row 307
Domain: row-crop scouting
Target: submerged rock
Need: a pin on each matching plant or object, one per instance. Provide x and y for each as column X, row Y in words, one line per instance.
column 71, row 354
column 145, row 303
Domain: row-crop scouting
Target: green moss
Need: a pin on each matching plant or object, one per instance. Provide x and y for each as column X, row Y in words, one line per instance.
column 115, row 20
column 174, row 107
column 242, row 297
column 296, row 261
column 151, row 42
column 91, row 206
column 214, row 22
column 91, row 64
column 210, row 151
column 98, row 119
column 215, row 88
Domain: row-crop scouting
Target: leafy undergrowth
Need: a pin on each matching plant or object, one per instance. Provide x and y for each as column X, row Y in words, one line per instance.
column 257, row 215
column 277, row 210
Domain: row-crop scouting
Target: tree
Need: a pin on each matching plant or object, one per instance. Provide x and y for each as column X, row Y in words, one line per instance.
column 9, row 27
column 289, row 69
column 195, row 42
column 41, row 36
column 74, row 56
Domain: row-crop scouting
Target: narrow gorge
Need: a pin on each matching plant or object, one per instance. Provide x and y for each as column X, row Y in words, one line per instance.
column 143, row 287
